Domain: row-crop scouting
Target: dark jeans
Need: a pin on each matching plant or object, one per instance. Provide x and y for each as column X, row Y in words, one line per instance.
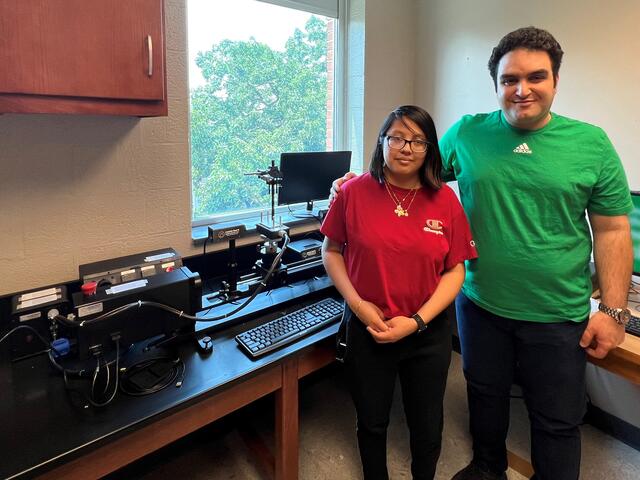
column 422, row 363
column 550, row 365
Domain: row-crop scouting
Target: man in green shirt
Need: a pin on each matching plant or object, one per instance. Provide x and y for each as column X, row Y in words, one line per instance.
column 526, row 178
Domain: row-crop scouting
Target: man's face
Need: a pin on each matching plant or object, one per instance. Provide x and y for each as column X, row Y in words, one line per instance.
column 526, row 88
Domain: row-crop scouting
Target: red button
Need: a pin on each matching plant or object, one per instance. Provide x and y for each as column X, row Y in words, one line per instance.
column 89, row 288
column 169, row 269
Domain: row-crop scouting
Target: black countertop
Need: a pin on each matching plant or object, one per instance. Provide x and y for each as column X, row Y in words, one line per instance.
column 44, row 426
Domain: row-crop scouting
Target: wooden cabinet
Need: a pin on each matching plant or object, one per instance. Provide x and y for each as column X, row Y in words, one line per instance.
column 83, row 56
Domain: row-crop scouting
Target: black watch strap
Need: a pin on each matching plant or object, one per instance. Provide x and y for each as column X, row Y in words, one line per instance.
column 421, row 325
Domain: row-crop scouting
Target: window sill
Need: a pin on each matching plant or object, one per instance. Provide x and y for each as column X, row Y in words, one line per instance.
column 295, row 223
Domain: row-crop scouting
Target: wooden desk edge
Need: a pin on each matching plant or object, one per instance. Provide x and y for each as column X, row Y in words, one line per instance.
column 623, row 360
column 156, row 435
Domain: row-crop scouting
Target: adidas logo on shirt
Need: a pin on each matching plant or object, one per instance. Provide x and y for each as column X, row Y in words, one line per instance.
column 522, row 148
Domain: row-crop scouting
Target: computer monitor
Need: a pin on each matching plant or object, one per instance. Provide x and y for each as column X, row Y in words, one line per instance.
column 307, row 176
column 634, row 218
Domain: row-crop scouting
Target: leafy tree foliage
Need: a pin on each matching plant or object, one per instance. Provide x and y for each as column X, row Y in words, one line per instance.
column 256, row 103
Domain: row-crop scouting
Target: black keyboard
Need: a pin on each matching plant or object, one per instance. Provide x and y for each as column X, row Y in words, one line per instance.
column 290, row 327
column 633, row 327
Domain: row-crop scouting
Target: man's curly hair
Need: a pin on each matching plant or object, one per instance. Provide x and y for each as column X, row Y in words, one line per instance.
column 529, row 38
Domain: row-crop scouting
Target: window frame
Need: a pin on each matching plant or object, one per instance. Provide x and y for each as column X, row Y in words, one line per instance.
column 339, row 137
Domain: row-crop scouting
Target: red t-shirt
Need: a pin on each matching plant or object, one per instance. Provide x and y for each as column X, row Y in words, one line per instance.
column 397, row 262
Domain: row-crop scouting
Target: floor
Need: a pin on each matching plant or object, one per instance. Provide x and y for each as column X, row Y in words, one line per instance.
column 327, row 440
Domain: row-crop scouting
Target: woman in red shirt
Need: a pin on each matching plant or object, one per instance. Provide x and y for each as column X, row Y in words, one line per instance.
column 396, row 239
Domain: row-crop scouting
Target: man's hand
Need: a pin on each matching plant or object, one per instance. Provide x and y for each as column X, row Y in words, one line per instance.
column 601, row 335
column 399, row 327
column 337, row 183
column 371, row 316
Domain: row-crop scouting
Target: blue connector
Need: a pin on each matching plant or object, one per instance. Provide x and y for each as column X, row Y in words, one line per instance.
column 60, row 347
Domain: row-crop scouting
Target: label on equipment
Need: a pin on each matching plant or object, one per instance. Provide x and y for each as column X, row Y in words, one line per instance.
column 125, row 287
column 38, row 301
column 128, row 274
column 41, row 293
column 91, row 309
column 160, row 256
column 148, row 270
column 29, row 316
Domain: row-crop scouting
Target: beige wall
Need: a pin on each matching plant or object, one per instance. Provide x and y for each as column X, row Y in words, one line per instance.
column 390, row 63
column 599, row 76
column 76, row 189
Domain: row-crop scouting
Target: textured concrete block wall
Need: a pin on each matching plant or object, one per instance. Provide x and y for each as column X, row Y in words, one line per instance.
column 75, row 189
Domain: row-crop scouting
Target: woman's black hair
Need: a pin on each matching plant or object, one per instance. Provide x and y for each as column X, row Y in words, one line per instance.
column 430, row 172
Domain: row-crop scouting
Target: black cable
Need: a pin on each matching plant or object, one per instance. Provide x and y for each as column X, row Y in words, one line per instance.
column 65, row 371
column 50, row 350
column 117, row 378
column 307, row 215
column 148, row 368
column 96, row 372
column 263, row 283
column 27, row 327
column 79, row 373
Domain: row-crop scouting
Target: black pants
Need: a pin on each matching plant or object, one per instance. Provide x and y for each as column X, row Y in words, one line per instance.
column 550, row 365
column 422, row 363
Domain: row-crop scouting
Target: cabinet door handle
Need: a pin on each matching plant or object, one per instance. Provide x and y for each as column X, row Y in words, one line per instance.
column 150, row 51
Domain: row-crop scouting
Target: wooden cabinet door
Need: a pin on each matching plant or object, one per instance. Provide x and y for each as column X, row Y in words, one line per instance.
column 98, row 49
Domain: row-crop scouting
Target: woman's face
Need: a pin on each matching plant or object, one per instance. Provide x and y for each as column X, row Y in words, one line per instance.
column 403, row 163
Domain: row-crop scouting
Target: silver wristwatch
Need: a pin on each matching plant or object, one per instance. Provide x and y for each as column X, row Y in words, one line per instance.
column 620, row 315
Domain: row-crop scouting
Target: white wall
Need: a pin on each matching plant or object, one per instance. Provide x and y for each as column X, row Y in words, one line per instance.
column 390, row 63
column 599, row 76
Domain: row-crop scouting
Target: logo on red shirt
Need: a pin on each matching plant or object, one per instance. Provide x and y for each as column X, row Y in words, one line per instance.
column 433, row 226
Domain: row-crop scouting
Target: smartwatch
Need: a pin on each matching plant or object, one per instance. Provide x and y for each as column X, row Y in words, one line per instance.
column 421, row 325
column 620, row 315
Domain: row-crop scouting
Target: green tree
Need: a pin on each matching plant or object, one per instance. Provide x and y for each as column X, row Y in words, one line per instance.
column 256, row 103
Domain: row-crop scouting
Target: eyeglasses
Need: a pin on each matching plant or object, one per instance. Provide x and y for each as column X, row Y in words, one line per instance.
column 398, row 143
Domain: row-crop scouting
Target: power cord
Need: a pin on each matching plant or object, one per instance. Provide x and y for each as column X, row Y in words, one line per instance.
column 92, row 397
column 152, row 375
column 101, row 363
column 27, row 327
column 126, row 384
column 306, row 215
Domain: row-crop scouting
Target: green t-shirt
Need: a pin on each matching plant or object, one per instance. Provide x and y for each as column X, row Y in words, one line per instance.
column 525, row 194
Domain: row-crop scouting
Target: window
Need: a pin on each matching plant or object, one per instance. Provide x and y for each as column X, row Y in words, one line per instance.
column 262, row 81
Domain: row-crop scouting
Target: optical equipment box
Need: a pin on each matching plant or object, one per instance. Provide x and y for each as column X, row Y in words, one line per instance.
column 103, row 316
column 131, row 267
column 305, row 249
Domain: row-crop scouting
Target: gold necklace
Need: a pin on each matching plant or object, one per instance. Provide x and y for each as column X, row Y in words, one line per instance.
column 400, row 211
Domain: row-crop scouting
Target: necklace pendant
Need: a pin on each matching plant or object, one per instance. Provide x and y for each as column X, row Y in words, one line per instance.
column 400, row 212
